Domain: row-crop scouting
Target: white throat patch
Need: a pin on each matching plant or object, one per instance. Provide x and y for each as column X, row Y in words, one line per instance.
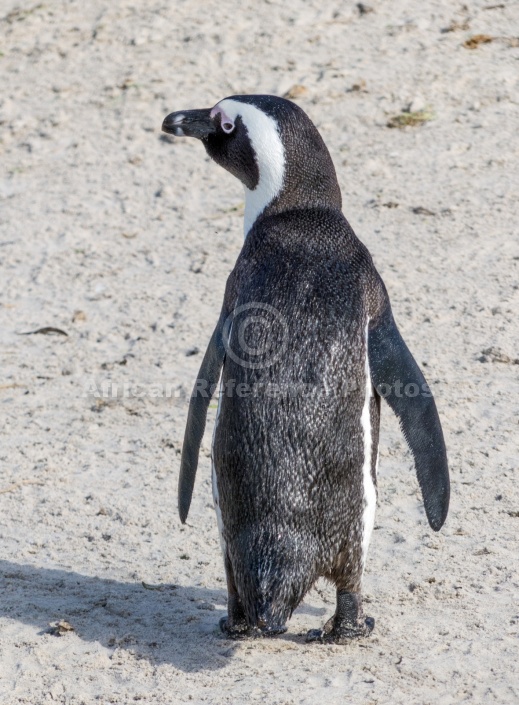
column 270, row 156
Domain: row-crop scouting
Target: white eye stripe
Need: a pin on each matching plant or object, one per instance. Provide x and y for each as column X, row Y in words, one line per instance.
column 266, row 142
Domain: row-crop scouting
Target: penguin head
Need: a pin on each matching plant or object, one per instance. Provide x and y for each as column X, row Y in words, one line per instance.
column 271, row 146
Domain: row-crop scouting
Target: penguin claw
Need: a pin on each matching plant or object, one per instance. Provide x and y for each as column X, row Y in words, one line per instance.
column 340, row 634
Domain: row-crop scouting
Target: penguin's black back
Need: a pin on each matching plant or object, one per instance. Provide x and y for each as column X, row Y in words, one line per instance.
column 288, row 457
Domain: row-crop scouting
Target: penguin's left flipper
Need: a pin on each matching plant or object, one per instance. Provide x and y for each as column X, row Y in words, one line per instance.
column 204, row 388
column 397, row 378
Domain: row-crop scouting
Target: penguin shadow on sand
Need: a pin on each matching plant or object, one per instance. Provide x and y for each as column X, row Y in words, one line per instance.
column 164, row 624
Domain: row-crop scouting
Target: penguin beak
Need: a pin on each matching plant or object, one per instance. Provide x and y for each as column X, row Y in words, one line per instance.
column 190, row 123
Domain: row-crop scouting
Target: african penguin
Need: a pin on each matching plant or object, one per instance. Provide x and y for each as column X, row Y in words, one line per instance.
column 304, row 348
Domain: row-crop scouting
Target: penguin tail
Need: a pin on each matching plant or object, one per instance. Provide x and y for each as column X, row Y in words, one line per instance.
column 268, row 602
column 272, row 577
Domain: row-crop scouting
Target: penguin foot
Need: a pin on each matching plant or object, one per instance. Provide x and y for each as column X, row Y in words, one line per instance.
column 347, row 623
column 242, row 630
column 342, row 633
column 236, row 630
column 271, row 631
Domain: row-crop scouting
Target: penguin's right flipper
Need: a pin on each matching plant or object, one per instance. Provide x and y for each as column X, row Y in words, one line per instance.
column 203, row 390
column 392, row 369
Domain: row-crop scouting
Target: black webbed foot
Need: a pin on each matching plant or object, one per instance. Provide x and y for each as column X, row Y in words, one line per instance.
column 242, row 630
column 235, row 625
column 346, row 624
column 236, row 630
column 342, row 634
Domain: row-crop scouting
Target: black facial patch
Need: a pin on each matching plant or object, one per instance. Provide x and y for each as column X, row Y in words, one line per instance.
column 234, row 152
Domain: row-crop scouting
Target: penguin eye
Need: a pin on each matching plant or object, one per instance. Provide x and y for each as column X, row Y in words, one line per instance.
column 227, row 126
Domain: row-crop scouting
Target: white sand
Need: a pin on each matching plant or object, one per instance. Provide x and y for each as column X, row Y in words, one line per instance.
column 103, row 215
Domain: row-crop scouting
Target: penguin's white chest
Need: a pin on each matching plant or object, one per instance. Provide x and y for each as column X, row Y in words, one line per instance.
column 216, row 497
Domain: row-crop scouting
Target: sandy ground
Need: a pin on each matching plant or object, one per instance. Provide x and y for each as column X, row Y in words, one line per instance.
column 123, row 237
